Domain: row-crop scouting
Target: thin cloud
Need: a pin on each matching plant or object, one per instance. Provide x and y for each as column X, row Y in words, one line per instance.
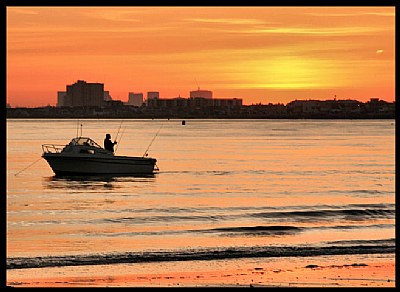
column 22, row 10
column 239, row 21
column 351, row 14
column 113, row 15
column 356, row 30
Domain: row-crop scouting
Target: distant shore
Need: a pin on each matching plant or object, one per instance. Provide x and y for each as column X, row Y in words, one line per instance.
column 299, row 109
column 22, row 113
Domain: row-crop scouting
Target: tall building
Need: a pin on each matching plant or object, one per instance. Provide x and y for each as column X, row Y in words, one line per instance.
column 82, row 93
column 61, row 98
column 201, row 93
column 135, row 99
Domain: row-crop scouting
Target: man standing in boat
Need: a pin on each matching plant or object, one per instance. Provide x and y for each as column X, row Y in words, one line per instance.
column 108, row 144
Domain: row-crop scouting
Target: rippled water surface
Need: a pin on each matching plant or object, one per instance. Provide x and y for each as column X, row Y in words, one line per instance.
column 225, row 189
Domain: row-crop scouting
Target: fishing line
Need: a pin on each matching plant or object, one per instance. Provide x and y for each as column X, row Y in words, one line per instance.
column 27, row 167
column 145, row 153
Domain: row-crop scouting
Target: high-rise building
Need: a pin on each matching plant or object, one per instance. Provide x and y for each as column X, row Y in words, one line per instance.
column 135, row 99
column 82, row 93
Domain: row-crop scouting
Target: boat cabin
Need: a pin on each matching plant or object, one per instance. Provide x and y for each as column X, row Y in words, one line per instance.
column 84, row 145
column 78, row 145
column 84, row 141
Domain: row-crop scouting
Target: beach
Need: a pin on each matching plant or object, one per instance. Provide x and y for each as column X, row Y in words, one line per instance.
column 338, row 271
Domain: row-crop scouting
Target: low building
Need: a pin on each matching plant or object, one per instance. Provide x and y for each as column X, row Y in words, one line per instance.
column 153, row 95
column 201, row 93
column 135, row 99
column 195, row 102
column 107, row 96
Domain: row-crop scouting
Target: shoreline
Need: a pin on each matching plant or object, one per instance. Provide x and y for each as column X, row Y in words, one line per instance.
column 320, row 271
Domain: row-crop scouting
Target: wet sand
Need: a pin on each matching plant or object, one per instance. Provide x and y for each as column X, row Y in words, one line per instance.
column 338, row 271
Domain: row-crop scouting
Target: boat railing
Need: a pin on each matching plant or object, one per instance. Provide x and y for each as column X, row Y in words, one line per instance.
column 52, row 148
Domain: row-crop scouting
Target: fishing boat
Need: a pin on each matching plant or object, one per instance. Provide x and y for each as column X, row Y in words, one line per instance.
column 83, row 156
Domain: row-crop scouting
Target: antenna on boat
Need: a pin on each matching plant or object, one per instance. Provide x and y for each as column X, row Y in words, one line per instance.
column 77, row 127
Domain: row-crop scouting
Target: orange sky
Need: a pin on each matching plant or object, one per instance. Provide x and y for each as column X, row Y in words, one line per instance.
column 260, row 54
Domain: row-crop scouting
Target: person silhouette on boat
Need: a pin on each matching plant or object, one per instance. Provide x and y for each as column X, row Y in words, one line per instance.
column 108, row 144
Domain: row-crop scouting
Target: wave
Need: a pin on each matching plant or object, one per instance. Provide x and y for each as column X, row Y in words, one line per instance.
column 346, row 217
column 286, row 173
column 288, row 216
column 159, row 218
column 383, row 242
column 285, row 230
column 259, row 230
column 327, row 214
column 248, row 231
column 359, row 247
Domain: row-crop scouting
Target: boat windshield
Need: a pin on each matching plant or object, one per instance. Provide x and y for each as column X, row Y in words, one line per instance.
column 84, row 141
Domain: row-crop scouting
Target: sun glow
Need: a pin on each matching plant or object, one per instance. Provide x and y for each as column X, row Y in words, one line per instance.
column 289, row 73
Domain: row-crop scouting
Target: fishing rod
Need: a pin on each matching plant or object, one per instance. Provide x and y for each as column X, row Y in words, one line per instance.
column 118, row 130
column 145, row 153
column 122, row 133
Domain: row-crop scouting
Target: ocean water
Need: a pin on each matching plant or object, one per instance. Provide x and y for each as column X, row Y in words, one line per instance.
column 225, row 189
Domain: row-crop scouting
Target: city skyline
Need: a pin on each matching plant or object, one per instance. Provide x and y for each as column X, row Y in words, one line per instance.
column 260, row 54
